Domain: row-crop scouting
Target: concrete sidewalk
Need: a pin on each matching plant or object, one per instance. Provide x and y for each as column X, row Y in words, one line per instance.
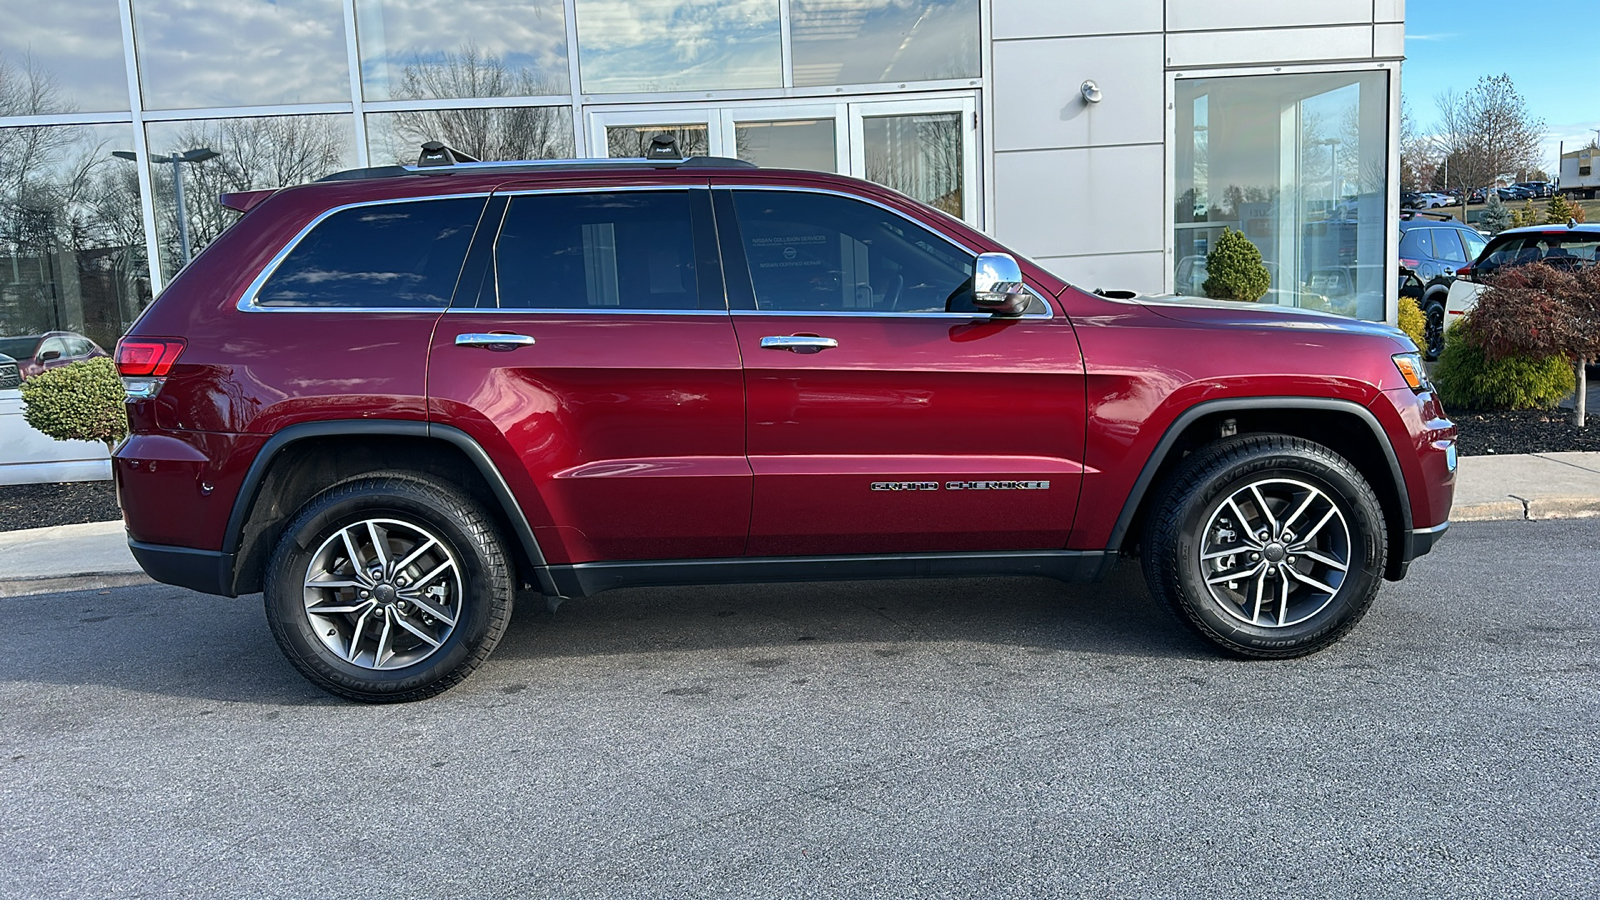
column 1531, row 486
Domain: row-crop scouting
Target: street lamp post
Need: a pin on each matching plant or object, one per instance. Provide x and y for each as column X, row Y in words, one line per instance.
column 198, row 154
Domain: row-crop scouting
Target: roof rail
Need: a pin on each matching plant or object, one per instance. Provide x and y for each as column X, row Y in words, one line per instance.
column 540, row 165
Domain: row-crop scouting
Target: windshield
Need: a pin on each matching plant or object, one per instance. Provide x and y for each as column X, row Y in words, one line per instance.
column 19, row 347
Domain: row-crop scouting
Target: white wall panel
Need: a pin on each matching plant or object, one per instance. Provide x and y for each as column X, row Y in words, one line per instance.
column 1140, row 272
column 1057, row 18
column 1224, row 48
column 1038, row 102
column 1389, row 39
column 1095, row 200
column 1388, row 10
column 1188, row 15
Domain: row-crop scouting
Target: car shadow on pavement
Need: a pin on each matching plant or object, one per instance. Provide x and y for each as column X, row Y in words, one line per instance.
column 162, row 640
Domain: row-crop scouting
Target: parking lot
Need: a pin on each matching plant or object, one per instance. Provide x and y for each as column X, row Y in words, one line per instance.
column 982, row 738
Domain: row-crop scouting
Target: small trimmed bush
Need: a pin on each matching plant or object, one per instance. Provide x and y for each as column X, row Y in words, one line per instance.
column 83, row 401
column 1560, row 209
column 1413, row 322
column 1234, row 270
column 1468, row 380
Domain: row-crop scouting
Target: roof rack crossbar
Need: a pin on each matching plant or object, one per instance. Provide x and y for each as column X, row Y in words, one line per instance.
column 541, row 165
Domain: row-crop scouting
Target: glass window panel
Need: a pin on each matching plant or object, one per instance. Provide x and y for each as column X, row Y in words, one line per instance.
column 919, row 156
column 631, row 141
column 195, row 54
column 1447, row 245
column 1475, row 244
column 529, row 132
column 1299, row 164
column 71, row 232
column 624, row 250
column 868, row 41
column 426, row 50
column 627, row 46
column 61, row 57
column 816, row 252
column 1416, row 244
column 267, row 152
column 795, row 144
column 385, row 255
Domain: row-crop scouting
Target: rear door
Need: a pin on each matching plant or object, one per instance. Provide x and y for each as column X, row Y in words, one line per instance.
column 887, row 414
column 590, row 352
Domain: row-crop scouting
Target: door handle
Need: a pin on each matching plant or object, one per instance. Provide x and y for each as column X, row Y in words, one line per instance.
column 798, row 343
column 494, row 341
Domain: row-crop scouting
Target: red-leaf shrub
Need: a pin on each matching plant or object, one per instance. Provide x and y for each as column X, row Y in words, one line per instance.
column 1530, row 311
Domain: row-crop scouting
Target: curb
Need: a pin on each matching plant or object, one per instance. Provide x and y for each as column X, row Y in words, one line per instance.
column 1531, row 509
column 28, row 587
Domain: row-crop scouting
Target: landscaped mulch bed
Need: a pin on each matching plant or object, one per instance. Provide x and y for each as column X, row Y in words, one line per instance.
column 39, row 505
column 1524, row 431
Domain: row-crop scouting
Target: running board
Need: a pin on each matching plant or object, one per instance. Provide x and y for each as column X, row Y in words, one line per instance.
column 587, row 579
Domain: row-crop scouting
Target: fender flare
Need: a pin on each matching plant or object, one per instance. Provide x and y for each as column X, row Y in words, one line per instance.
column 1147, row 475
column 250, row 487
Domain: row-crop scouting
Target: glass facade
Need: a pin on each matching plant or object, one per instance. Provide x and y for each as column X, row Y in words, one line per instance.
column 61, row 57
column 1299, row 164
column 509, row 48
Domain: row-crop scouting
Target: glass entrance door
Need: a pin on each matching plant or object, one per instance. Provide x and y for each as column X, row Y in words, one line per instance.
column 925, row 149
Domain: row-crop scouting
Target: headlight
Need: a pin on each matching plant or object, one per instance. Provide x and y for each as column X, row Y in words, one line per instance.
column 1410, row 366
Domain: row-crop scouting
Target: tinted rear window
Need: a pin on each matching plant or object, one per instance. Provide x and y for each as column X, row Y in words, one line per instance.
column 386, row 255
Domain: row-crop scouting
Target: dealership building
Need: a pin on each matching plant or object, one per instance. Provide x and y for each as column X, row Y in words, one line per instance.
column 1110, row 142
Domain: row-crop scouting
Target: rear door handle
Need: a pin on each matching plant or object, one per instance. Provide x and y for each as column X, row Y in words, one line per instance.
column 798, row 343
column 494, row 341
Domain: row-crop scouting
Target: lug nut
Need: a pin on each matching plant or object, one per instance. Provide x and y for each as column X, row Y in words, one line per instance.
column 1255, row 556
column 1291, row 560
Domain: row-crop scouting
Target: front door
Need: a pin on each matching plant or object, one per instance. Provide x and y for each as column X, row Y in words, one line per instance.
column 591, row 354
column 886, row 413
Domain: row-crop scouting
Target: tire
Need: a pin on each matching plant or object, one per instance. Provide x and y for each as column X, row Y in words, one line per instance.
column 406, row 629
column 1199, row 514
column 1433, row 330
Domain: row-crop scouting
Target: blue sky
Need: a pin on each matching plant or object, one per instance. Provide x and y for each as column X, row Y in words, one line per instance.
column 1449, row 43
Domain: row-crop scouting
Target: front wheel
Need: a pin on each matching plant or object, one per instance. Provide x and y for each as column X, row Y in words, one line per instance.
column 1433, row 330
column 1267, row 546
column 393, row 587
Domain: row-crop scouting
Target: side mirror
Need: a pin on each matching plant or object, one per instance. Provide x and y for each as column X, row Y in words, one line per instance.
column 997, row 285
column 49, row 356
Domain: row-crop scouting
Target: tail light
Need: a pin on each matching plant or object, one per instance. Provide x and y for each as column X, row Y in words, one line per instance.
column 144, row 363
column 1464, row 273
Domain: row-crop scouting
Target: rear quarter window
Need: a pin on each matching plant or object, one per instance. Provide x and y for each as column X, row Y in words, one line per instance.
column 403, row 255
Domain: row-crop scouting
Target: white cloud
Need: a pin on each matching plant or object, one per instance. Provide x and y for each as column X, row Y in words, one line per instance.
column 1436, row 36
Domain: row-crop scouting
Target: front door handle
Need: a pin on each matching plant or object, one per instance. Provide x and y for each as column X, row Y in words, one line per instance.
column 798, row 343
column 494, row 341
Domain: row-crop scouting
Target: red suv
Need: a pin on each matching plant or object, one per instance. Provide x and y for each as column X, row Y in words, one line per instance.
column 391, row 399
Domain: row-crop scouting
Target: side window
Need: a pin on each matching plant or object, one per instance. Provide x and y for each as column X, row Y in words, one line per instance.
column 598, row 250
column 824, row 253
column 1447, row 245
column 52, row 345
column 1416, row 244
column 1474, row 243
column 404, row 255
column 1503, row 252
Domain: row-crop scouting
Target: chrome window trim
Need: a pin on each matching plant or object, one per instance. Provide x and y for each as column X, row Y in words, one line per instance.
column 558, row 310
column 247, row 300
column 1049, row 311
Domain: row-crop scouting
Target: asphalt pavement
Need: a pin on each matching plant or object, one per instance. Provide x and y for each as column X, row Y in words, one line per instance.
column 974, row 738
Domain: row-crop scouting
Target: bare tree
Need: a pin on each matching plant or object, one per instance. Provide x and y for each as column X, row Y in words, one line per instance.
column 1486, row 132
column 532, row 132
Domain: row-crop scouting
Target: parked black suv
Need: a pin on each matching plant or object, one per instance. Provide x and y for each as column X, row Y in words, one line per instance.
column 1431, row 250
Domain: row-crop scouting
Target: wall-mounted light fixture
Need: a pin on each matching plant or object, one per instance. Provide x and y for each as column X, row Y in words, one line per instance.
column 1091, row 92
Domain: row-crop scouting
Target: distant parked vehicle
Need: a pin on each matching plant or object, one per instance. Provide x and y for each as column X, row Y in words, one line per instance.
column 10, row 376
column 1540, row 189
column 1514, row 194
column 1431, row 250
column 1569, row 246
column 36, row 353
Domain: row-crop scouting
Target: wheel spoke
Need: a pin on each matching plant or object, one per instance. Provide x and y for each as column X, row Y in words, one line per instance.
column 1305, row 539
column 1306, row 579
column 1244, row 524
column 344, row 583
column 380, row 546
column 1261, row 590
column 355, row 637
column 412, row 556
column 1328, row 561
column 1221, row 554
column 1261, row 503
column 1304, row 504
column 1283, row 603
column 418, row 632
column 335, row 610
column 1238, row 575
column 355, row 557
column 427, row 579
column 383, row 643
column 428, row 608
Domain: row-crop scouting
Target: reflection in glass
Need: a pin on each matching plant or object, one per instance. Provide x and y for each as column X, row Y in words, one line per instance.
column 63, row 56
column 529, row 132
column 425, row 50
column 71, row 232
column 794, row 144
column 868, row 41
column 678, row 45
column 240, row 53
column 631, row 141
column 256, row 153
column 1299, row 163
column 919, row 156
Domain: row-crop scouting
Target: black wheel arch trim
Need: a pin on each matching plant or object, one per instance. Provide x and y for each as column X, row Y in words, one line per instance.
column 1130, row 507
column 245, row 500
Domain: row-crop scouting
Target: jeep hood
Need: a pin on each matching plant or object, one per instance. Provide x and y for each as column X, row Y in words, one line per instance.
column 1226, row 313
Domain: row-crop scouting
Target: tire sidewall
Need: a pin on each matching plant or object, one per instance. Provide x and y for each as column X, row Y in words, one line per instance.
column 343, row 506
column 1353, row 499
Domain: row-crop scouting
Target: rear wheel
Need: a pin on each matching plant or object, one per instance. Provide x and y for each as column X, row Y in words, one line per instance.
column 1267, row 546
column 1433, row 329
column 390, row 588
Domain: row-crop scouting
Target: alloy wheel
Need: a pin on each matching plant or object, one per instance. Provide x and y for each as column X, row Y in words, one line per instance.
column 1275, row 552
